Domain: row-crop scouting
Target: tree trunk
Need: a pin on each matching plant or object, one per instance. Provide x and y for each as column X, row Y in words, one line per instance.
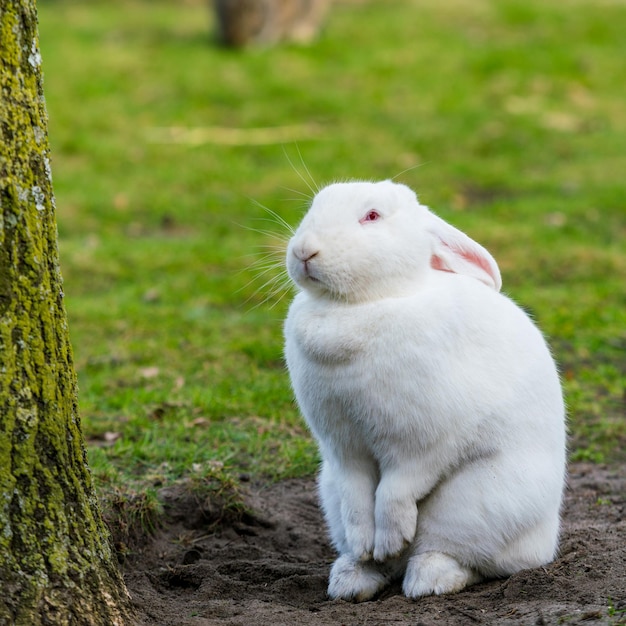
column 56, row 565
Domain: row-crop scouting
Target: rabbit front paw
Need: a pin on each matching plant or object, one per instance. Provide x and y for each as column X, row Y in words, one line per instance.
column 396, row 525
column 360, row 540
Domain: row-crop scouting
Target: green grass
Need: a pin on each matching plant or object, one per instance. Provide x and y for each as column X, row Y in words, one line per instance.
column 513, row 111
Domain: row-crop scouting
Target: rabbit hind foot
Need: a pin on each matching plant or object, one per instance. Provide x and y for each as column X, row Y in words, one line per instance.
column 354, row 580
column 436, row 573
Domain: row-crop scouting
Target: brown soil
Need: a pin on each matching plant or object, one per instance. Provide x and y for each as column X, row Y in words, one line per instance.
column 271, row 568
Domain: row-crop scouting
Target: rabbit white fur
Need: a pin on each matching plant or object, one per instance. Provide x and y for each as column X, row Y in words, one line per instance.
column 434, row 399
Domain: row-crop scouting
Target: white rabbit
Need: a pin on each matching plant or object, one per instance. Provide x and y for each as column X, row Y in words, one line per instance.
column 434, row 399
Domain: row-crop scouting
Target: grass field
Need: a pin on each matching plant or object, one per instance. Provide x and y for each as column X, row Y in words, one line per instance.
column 510, row 113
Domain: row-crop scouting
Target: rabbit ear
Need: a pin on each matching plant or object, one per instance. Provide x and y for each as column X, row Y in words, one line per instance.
column 454, row 251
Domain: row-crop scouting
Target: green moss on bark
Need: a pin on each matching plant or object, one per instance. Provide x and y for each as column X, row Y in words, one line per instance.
column 56, row 565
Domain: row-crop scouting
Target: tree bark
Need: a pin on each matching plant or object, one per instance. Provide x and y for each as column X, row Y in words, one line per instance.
column 56, row 564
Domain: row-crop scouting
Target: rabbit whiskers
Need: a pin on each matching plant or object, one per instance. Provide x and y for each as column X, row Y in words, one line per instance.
column 268, row 264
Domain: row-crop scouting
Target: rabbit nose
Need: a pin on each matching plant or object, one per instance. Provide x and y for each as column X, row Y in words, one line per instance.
column 305, row 255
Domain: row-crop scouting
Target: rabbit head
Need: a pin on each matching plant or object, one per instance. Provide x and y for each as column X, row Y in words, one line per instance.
column 362, row 241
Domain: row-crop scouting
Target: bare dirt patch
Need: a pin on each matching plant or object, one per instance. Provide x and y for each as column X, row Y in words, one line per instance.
column 272, row 566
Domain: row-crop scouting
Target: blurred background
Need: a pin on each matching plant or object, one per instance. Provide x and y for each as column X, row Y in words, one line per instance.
column 507, row 117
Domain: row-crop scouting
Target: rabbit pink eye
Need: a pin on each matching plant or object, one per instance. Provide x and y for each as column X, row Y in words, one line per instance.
column 370, row 216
